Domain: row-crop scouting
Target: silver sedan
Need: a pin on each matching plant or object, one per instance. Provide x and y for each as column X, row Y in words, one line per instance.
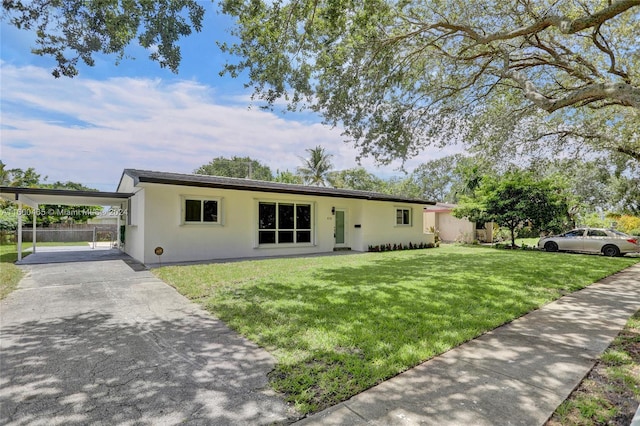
column 591, row 240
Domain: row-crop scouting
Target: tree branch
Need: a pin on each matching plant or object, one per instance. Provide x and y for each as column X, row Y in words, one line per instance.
column 623, row 93
column 565, row 25
column 630, row 152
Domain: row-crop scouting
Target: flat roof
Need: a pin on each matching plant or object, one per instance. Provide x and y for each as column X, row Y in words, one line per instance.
column 62, row 196
column 206, row 181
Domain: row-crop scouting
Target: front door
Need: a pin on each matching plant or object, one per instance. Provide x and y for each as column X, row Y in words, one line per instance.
column 341, row 228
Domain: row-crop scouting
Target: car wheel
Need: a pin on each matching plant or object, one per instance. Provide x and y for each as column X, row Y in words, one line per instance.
column 611, row 251
column 550, row 246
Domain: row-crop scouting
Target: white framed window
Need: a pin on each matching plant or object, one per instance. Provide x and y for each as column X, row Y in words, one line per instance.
column 403, row 216
column 198, row 210
column 285, row 223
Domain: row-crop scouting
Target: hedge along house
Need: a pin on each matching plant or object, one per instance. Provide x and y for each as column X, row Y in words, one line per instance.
column 198, row 218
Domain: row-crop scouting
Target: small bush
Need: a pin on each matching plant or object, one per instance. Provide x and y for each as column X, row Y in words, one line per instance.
column 396, row 246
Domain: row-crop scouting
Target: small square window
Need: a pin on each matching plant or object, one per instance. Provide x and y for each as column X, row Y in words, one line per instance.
column 403, row 217
column 201, row 211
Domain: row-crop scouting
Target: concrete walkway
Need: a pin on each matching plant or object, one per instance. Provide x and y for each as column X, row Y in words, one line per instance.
column 99, row 342
column 514, row 375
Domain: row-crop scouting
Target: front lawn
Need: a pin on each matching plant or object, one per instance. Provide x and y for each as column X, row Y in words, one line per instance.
column 338, row 325
column 9, row 273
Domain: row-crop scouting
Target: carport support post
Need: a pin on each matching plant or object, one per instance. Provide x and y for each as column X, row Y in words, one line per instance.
column 19, row 231
column 33, row 238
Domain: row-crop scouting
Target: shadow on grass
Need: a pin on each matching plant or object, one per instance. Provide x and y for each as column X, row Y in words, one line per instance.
column 518, row 373
column 9, row 256
column 339, row 330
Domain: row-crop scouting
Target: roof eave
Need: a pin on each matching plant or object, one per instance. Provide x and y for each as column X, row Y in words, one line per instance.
column 289, row 190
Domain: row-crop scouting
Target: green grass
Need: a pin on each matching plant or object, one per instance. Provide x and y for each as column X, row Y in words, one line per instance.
column 10, row 274
column 530, row 242
column 338, row 325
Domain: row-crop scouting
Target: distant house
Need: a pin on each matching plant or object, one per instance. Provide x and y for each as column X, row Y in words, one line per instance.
column 196, row 217
column 439, row 217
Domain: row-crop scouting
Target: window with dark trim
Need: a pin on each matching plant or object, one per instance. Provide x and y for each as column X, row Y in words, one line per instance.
column 284, row 223
column 201, row 211
column 403, row 216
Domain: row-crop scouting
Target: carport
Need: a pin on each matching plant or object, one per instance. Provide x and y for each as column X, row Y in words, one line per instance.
column 35, row 197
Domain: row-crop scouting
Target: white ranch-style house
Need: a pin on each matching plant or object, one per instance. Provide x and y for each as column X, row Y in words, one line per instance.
column 173, row 217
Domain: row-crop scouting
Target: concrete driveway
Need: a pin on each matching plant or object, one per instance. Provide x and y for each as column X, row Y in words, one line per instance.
column 97, row 342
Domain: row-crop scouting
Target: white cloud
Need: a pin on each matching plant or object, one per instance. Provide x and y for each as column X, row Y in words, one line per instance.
column 88, row 131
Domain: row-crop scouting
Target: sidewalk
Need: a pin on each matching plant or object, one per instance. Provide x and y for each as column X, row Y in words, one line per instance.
column 516, row 374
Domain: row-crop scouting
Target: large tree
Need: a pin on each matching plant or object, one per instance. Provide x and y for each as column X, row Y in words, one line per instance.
column 288, row 176
column 74, row 30
column 238, row 167
column 515, row 199
column 601, row 184
column 29, row 178
column 357, row 178
column 446, row 179
column 509, row 77
column 400, row 76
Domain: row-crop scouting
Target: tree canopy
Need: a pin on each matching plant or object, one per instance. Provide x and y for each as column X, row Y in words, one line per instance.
column 515, row 199
column 506, row 78
column 70, row 31
column 357, row 178
column 29, row 178
column 238, row 167
column 400, row 76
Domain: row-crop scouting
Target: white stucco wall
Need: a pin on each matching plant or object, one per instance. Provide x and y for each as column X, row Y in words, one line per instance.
column 380, row 226
column 236, row 235
column 135, row 226
column 450, row 228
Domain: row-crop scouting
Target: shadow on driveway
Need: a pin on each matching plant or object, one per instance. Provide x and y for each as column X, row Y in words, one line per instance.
column 98, row 343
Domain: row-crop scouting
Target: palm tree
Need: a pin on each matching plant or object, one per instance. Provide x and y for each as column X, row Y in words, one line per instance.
column 316, row 167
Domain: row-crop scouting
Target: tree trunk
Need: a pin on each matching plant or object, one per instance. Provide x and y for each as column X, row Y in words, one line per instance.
column 513, row 237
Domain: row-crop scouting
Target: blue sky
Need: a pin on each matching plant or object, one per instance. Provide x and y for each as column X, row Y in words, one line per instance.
column 137, row 115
